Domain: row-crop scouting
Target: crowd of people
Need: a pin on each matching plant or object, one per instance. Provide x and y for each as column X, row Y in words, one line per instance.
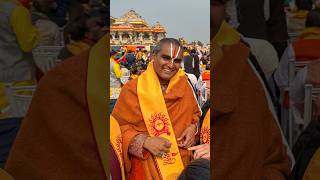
column 128, row 62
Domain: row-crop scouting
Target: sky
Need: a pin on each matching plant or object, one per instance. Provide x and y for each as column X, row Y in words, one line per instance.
column 189, row 19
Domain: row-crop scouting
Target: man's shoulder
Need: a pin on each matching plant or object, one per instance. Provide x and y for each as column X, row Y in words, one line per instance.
column 77, row 65
column 232, row 71
column 235, row 57
column 73, row 69
column 131, row 86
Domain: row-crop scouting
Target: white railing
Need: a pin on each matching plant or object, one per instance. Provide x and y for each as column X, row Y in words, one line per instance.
column 287, row 115
column 19, row 99
column 310, row 94
column 46, row 57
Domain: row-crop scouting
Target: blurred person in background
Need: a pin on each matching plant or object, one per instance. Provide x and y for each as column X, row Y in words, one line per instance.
column 196, row 59
column 277, row 31
column 17, row 39
column 238, row 89
column 48, row 30
column 303, row 49
column 66, row 10
column 188, row 62
column 83, row 32
column 115, row 71
column 63, row 135
column 298, row 14
column 130, row 58
column 137, row 69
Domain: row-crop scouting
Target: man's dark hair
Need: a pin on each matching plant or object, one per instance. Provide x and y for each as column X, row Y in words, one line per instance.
column 304, row 4
column 198, row 169
column 218, row 2
column 43, row 6
column 313, row 18
column 163, row 41
column 78, row 27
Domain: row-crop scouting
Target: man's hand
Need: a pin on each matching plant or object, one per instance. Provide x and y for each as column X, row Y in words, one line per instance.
column 157, row 146
column 188, row 136
column 201, row 151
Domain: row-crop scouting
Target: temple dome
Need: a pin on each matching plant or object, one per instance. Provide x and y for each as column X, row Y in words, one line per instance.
column 132, row 17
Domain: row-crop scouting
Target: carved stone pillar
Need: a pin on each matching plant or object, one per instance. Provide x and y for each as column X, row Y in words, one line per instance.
column 161, row 36
column 130, row 35
column 120, row 36
column 141, row 36
column 113, row 36
column 158, row 37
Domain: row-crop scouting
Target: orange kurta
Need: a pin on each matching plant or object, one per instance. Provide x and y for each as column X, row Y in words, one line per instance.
column 182, row 108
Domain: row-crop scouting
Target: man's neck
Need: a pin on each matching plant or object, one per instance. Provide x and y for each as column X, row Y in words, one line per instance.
column 163, row 81
column 163, row 84
column 88, row 41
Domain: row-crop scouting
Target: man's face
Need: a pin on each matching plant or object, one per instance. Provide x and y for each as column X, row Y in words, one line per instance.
column 47, row 6
column 217, row 13
column 95, row 29
column 168, row 61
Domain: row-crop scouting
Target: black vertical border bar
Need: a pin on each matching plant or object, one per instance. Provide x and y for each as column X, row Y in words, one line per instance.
column 211, row 93
column 107, row 21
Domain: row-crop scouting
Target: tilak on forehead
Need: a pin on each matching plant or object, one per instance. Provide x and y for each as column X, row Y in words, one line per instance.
column 174, row 52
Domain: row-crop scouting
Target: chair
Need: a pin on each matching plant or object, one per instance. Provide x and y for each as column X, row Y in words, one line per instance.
column 115, row 93
column 46, row 57
column 19, row 99
column 310, row 94
column 193, row 79
column 61, row 34
column 293, row 36
column 202, row 93
column 287, row 118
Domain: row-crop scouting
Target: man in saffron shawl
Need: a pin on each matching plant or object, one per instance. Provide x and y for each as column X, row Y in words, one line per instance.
column 248, row 143
column 158, row 116
column 63, row 135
